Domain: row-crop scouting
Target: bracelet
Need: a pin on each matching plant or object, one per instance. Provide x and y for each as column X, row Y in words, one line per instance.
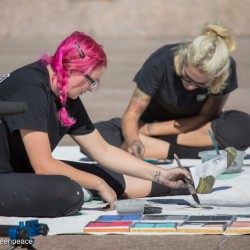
column 157, row 176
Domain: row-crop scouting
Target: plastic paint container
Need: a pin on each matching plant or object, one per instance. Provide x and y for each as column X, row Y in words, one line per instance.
column 235, row 167
column 130, row 206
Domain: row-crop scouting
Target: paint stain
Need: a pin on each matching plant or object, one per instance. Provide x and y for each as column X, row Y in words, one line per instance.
column 207, row 207
column 200, row 207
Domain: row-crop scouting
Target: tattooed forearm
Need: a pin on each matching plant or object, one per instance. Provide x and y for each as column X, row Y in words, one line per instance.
column 157, row 176
column 139, row 101
column 213, row 107
column 139, row 95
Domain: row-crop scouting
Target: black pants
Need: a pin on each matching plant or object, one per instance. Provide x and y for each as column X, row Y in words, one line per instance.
column 231, row 128
column 32, row 195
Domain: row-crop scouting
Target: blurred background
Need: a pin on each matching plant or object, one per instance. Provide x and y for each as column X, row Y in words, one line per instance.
column 129, row 30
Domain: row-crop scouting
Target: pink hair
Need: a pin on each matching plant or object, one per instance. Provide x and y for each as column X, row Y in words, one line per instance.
column 67, row 58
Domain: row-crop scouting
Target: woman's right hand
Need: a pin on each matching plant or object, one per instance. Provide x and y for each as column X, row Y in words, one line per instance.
column 108, row 195
column 137, row 149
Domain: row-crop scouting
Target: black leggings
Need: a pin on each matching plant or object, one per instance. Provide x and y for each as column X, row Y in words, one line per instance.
column 32, row 195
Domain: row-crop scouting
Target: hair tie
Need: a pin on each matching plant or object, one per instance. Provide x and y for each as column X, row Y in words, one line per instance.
column 222, row 37
column 63, row 106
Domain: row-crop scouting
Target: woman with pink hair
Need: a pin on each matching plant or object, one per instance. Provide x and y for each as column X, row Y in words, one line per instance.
column 32, row 182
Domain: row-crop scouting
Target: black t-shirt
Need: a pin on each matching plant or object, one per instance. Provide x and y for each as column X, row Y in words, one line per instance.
column 170, row 100
column 31, row 84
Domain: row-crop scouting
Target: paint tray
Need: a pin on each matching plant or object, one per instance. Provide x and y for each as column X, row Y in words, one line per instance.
column 130, row 206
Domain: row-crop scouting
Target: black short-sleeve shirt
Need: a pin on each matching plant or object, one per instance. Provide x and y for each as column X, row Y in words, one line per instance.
column 30, row 84
column 170, row 100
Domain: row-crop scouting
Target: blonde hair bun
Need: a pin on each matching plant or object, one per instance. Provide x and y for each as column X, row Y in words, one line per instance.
column 223, row 32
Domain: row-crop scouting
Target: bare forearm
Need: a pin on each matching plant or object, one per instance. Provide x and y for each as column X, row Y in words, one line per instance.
column 178, row 126
column 209, row 111
column 124, row 163
column 119, row 161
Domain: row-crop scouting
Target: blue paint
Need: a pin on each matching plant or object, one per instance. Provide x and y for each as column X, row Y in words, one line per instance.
column 213, row 140
column 155, row 225
column 107, row 218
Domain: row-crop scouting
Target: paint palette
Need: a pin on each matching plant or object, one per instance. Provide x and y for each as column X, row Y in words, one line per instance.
column 104, row 227
column 210, row 218
column 202, row 227
column 190, row 224
column 164, row 218
column 108, row 218
column 240, row 225
column 242, row 217
column 153, row 227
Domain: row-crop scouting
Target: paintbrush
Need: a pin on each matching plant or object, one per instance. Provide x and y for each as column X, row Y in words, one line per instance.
column 216, row 147
column 188, row 182
column 213, row 140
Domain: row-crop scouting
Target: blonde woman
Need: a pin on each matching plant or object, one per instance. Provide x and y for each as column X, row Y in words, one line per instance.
column 180, row 93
